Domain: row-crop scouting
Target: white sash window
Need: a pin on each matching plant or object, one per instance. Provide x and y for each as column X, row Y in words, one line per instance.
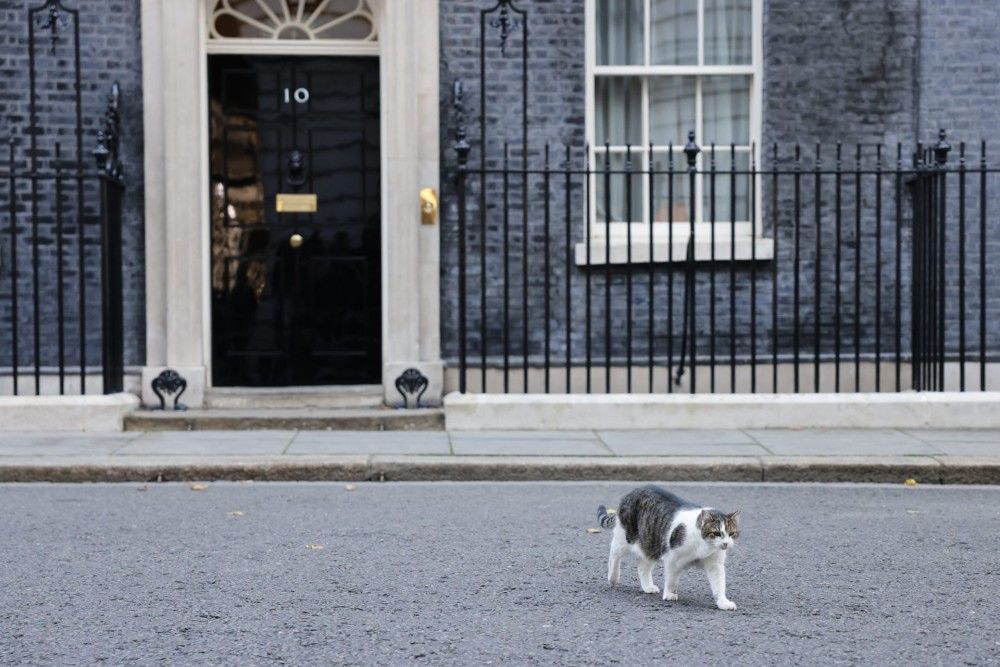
column 658, row 69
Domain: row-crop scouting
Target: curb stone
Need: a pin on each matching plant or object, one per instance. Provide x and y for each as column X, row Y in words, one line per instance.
column 875, row 469
column 893, row 470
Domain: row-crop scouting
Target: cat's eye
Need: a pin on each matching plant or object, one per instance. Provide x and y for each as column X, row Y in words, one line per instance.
column 714, row 535
column 734, row 535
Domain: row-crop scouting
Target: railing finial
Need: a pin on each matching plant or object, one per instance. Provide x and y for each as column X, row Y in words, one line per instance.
column 106, row 151
column 691, row 150
column 941, row 148
column 461, row 145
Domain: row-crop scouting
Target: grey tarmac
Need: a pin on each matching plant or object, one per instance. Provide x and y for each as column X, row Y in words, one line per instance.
column 486, row 573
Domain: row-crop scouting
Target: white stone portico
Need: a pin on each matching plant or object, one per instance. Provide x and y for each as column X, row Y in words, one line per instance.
column 175, row 45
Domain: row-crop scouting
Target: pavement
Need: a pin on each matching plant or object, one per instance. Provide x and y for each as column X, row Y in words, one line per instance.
column 930, row 456
column 486, row 573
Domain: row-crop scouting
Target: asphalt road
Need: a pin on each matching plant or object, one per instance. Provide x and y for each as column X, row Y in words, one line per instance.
column 501, row 573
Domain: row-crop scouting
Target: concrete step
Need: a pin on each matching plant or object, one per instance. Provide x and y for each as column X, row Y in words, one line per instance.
column 302, row 419
column 331, row 398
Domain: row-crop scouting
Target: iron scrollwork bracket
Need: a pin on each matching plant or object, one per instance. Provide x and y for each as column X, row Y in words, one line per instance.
column 171, row 383
column 505, row 23
column 410, row 382
column 52, row 21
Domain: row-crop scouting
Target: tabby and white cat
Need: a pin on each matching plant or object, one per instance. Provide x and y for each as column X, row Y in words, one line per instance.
column 656, row 525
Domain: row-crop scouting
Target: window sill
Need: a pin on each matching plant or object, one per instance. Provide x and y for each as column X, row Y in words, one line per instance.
column 747, row 249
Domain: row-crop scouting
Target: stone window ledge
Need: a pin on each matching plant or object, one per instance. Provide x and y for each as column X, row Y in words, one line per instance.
column 747, row 249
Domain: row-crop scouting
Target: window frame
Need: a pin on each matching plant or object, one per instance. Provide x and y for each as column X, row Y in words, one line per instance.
column 596, row 227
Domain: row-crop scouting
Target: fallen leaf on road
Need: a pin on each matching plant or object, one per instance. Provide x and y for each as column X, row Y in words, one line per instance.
column 913, row 511
column 314, row 547
column 199, row 487
column 142, row 488
column 349, row 487
column 612, row 511
column 237, row 513
column 593, row 530
column 910, row 482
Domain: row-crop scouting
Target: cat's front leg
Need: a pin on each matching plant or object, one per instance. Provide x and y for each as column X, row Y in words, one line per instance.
column 646, row 576
column 715, row 570
column 671, row 575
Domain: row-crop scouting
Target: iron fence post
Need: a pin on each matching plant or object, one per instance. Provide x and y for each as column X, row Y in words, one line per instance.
column 941, row 150
column 461, row 148
column 112, row 186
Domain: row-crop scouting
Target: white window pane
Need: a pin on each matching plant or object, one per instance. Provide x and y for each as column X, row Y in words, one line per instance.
column 674, row 32
column 618, row 107
column 726, row 110
column 617, row 178
column 671, row 188
column 619, row 32
column 671, row 109
column 728, row 25
column 724, row 165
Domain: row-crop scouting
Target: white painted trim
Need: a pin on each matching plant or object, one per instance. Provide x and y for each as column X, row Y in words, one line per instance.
column 475, row 412
column 293, row 47
column 762, row 249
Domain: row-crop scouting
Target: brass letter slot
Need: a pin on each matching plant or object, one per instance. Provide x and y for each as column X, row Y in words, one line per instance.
column 295, row 203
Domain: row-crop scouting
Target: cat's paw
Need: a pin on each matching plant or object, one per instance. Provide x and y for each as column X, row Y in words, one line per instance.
column 726, row 605
column 613, row 580
column 669, row 597
column 652, row 588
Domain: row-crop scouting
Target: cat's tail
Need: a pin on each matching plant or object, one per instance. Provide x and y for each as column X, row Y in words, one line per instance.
column 606, row 520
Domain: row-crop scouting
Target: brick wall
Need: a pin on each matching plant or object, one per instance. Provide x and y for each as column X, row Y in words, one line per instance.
column 110, row 51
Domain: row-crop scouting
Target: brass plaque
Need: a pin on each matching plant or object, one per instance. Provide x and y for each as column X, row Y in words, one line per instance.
column 295, row 203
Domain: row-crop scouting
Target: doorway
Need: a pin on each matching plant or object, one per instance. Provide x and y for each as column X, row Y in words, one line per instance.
column 295, row 220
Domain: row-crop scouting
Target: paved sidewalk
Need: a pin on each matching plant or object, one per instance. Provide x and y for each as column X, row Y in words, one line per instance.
column 929, row 456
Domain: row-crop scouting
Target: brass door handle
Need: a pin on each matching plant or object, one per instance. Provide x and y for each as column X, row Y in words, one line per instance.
column 428, row 206
column 295, row 240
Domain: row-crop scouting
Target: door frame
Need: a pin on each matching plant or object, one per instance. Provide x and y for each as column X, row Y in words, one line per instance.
column 178, row 232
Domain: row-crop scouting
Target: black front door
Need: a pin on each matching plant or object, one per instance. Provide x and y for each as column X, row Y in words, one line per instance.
column 295, row 293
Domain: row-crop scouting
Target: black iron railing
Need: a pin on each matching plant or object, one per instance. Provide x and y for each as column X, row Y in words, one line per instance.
column 688, row 268
column 61, row 323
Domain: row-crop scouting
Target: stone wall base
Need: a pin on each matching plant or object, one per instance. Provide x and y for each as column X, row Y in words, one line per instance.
column 65, row 413
column 735, row 411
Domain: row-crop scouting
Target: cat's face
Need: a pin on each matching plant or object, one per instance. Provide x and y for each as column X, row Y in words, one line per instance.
column 720, row 530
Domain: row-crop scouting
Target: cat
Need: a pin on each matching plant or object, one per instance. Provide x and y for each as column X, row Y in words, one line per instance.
column 656, row 525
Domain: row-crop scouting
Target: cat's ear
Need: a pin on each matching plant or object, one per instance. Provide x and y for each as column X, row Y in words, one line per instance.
column 733, row 516
column 702, row 518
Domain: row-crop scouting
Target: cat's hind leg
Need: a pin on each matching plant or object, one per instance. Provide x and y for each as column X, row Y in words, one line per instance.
column 619, row 547
column 646, row 575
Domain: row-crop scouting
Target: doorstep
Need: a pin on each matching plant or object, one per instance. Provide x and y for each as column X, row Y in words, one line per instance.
column 298, row 419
